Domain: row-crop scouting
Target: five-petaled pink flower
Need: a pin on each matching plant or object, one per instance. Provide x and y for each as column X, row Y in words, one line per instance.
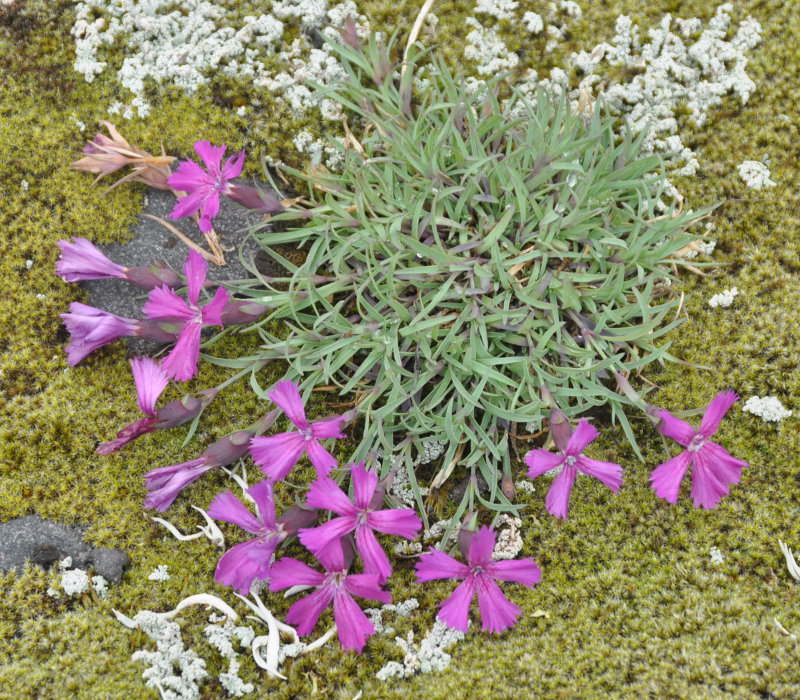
column 334, row 586
column 164, row 303
column 251, row 560
column 204, row 188
column 277, row 454
column 714, row 469
column 363, row 515
column 571, row 461
column 480, row 574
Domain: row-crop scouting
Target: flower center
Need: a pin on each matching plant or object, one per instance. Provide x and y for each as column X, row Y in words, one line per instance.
column 571, row 460
column 696, row 443
column 306, row 433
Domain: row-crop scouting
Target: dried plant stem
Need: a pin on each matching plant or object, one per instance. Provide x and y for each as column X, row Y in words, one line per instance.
column 414, row 35
column 211, row 257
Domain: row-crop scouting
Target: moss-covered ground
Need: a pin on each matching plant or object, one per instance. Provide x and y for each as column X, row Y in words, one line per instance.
column 635, row 606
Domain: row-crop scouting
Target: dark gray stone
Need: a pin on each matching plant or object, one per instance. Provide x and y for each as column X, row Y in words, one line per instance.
column 44, row 542
column 151, row 242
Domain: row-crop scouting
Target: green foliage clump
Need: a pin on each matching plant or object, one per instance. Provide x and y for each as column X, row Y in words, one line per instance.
column 476, row 261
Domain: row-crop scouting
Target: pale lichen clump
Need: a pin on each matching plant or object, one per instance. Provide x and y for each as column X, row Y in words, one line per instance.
column 724, row 298
column 756, row 175
column 768, row 408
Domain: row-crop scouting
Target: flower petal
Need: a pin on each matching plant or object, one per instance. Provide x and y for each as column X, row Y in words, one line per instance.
column 325, row 494
column 716, row 412
column 277, row 454
column 352, row 624
column 666, row 478
column 150, row 381
column 189, row 177
column 190, row 204
column 82, row 260
column 481, row 546
column 164, row 302
column 403, row 522
column 328, row 428
column 372, row 554
column 435, row 564
column 262, row 494
column 367, row 586
column 727, row 468
column 306, row 611
column 498, row 613
column 322, row 460
column 181, row 363
column 318, row 539
column 557, row 500
column 454, row 611
column 227, row 507
column 208, row 211
column 245, row 562
column 288, row 572
column 541, row 461
column 211, row 156
column 233, row 166
column 583, row 434
column 524, row 571
column 164, row 494
column 212, row 312
column 286, row 396
column 607, row 472
column 195, row 268
column 364, row 485
column 674, row 428
column 713, row 472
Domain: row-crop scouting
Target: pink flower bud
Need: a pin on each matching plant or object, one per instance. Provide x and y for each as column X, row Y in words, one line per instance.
column 237, row 311
column 253, row 198
column 151, row 276
column 298, row 517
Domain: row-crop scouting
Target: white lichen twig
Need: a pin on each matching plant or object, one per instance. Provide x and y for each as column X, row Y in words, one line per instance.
column 199, row 599
column 414, row 35
column 211, row 530
column 791, row 564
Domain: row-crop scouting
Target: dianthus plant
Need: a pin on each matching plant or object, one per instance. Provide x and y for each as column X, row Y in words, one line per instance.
column 478, row 260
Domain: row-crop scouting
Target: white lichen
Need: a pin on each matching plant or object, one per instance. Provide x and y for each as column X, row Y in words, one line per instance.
column 768, row 408
column 486, row 49
column 160, row 573
column 716, row 556
column 724, row 298
column 430, row 655
column 756, row 175
column 509, row 538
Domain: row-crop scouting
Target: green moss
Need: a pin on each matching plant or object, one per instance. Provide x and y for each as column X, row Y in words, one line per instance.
column 636, row 609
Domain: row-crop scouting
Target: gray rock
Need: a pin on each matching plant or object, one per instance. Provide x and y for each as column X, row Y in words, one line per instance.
column 44, row 542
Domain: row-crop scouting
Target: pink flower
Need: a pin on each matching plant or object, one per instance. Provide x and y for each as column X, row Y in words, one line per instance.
column 714, row 469
column 91, row 328
column 164, row 303
column 479, row 575
column 571, row 461
column 165, row 483
column 362, row 515
column 334, row 586
column 277, row 454
column 251, row 560
column 204, row 188
column 81, row 260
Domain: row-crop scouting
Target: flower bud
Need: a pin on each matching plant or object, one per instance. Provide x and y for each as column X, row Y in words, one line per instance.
column 157, row 330
column 253, row 198
column 237, row 311
column 508, row 488
column 229, row 449
column 469, row 526
column 297, row 517
column 560, row 429
column 150, row 276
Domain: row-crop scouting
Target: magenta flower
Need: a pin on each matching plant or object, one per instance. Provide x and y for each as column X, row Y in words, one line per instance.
column 251, row 560
column 204, row 188
column 334, row 586
column 164, row 303
column 81, row 260
column 277, row 454
column 165, row 483
column 714, row 469
column 479, row 575
column 571, row 461
column 362, row 515
column 91, row 328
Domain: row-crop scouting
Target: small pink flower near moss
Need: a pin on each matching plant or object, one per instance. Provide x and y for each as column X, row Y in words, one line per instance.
column 571, row 460
column 204, row 187
column 479, row 577
column 164, row 303
column 364, row 515
column 334, row 587
column 251, row 560
column 277, row 454
column 713, row 468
